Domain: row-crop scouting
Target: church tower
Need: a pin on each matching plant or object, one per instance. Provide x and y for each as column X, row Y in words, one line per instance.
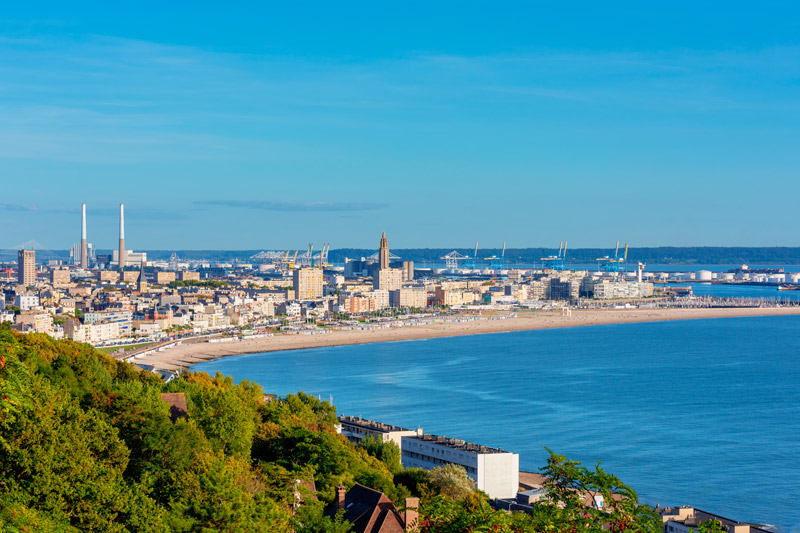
column 383, row 255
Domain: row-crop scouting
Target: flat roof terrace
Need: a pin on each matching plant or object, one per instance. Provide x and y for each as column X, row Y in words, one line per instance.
column 457, row 444
column 370, row 424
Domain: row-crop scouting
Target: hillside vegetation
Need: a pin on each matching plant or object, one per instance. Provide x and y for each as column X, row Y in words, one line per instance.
column 88, row 445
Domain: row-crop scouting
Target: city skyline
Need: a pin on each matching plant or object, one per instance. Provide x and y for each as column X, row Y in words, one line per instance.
column 266, row 127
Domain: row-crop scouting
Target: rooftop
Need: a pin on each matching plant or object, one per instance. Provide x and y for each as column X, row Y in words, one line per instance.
column 370, row 424
column 457, row 444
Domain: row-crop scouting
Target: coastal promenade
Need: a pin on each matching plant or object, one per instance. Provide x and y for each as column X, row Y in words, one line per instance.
column 191, row 352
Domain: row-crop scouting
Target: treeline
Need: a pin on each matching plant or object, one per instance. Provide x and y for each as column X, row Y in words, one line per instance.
column 88, row 444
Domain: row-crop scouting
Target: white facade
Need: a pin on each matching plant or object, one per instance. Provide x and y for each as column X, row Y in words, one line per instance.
column 26, row 302
column 381, row 298
column 496, row 472
column 123, row 317
column 91, row 333
column 607, row 290
column 356, row 429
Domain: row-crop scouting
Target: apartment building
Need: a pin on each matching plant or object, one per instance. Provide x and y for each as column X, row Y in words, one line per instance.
column 495, row 471
column 307, row 283
column 356, row 429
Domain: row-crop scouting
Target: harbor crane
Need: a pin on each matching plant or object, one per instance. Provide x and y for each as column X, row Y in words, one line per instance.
column 323, row 256
column 452, row 259
column 556, row 262
column 498, row 263
column 472, row 262
column 614, row 264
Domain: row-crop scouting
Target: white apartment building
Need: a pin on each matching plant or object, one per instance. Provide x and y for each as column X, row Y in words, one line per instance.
column 608, row 290
column 381, row 297
column 26, row 301
column 91, row 333
column 356, row 429
column 124, row 317
column 496, row 472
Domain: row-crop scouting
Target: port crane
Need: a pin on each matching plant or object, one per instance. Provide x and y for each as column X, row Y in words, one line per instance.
column 472, row 262
column 498, row 263
column 451, row 260
column 556, row 262
column 323, row 256
column 614, row 264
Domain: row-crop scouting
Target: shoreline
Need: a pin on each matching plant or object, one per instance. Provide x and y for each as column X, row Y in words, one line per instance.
column 190, row 353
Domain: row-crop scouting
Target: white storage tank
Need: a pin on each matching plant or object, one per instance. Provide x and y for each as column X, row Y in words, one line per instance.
column 703, row 275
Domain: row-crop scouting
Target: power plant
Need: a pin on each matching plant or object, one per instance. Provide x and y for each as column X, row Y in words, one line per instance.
column 84, row 250
column 122, row 257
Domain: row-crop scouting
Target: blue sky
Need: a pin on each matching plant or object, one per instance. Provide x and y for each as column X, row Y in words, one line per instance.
column 271, row 125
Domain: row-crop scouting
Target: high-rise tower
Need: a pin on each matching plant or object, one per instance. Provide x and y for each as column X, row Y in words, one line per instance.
column 383, row 254
column 122, row 257
column 26, row 267
column 84, row 248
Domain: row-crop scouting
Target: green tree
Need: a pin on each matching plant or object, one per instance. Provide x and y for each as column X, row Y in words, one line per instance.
column 568, row 483
column 386, row 452
column 452, row 481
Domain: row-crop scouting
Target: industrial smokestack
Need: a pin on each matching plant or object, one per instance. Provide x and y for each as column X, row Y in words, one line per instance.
column 84, row 250
column 122, row 257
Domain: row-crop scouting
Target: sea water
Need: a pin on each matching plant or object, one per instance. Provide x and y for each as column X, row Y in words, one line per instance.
column 696, row 412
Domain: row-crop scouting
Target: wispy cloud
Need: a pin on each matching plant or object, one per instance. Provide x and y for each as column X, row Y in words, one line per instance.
column 18, row 207
column 293, row 206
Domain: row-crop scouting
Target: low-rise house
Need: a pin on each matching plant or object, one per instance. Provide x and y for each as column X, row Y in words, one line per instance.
column 687, row 519
column 370, row 511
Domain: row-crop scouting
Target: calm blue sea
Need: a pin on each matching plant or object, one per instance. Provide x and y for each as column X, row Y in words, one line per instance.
column 700, row 412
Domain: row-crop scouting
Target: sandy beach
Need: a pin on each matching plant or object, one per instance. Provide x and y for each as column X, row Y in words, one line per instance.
column 191, row 352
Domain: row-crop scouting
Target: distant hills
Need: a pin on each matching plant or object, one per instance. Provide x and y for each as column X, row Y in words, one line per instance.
column 705, row 255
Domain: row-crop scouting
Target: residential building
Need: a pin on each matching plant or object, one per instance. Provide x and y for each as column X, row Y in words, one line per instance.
column 355, row 305
column 26, row 267
column 307, row 283
column 26, row 301
column 163, row 278
column 687, row 520
column 110, row 276
column 604, row 289
column 91, row 333
column 407, row 298
column 370, row 511
column 60, row 276
column 389, row 279
column 38, row 322
column 381, row 298
column 123, row 317
column 185, row 275
column 559, row 289
column 495, row 471
column 356, row 429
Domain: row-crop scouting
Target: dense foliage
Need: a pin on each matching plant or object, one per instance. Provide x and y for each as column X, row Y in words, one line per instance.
column 88, row 444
